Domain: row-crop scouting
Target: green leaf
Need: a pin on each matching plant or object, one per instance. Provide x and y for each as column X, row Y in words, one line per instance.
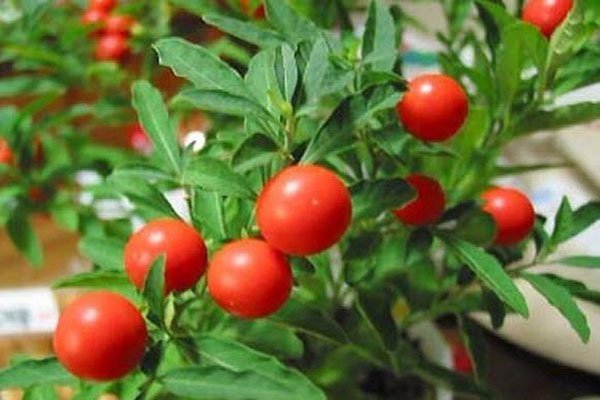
column 375, row 308
column 316, row 69
column 509, row 63
column 560, row 298
column 155, row 288
column 215, row 175
column 265, row 336
column 495, row 308
column 458, row 13
column 256, row 151
column 305, row 318
column 476, row 226
column 246, row 31
column 34, row 372
column 584, row 217
column 65, row 215
column 502, row 170
column 262, row 80
column 580, row 261
column 379, row 48
column 146, row 197
column 239, row 373
column 222, row 102
column 563, row 225
column 475, row 342
column 489, row 270
column 581, row 24
column 333, row 137
column 154, row 118
column 286, row 71
column 201, row 67
column 557, row 118
column 294, row 27
column 371, row 198
column 569, row 223
column 106, row 253
column 24, row 238
column 207, row 213
column 112, row 280
column 44, row 392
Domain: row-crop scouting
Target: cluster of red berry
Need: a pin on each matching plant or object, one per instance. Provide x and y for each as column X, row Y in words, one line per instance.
column 302, row 211
column 434, row 109
column 111, row 31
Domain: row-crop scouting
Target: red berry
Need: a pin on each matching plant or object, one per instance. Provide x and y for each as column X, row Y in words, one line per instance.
column 119, row 24
column 93, row 16
column 139, row 140
column 101, row 336
column 513, row 213
column 434, row 108
column 249, row 278
column 182, row 246
column 304, row 210
column 112, row 47
column 547, row 15
column 104, row 5
column 428, row 206
column 6, row 154
column 461, row 359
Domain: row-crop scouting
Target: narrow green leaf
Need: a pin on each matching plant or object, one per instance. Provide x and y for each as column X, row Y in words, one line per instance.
column 495, row 308
column 557, row 118
column 294, row 27
column 262, row 80
column 375, row 308
column 200, row 66
column 371, row 198
column 239, row 373
column 106, row 253
column 379, row 49
column 115, row 280
column 584, row 217
column 155, row 287
column 207, row 213
column 563, row 225
column 34, row 372
column 215, row 175
column 246, row 31
column 254, row 152
column 560, row 298
column 24, row 238
column 489, row 270
column 223, row 102
column 237, row 357
column 304, row 318
column 580, row 261
column 286, row 71
column 154, row 118
column 215, row 382
column 265, row 336
column 333, row 137
column 145, row 196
